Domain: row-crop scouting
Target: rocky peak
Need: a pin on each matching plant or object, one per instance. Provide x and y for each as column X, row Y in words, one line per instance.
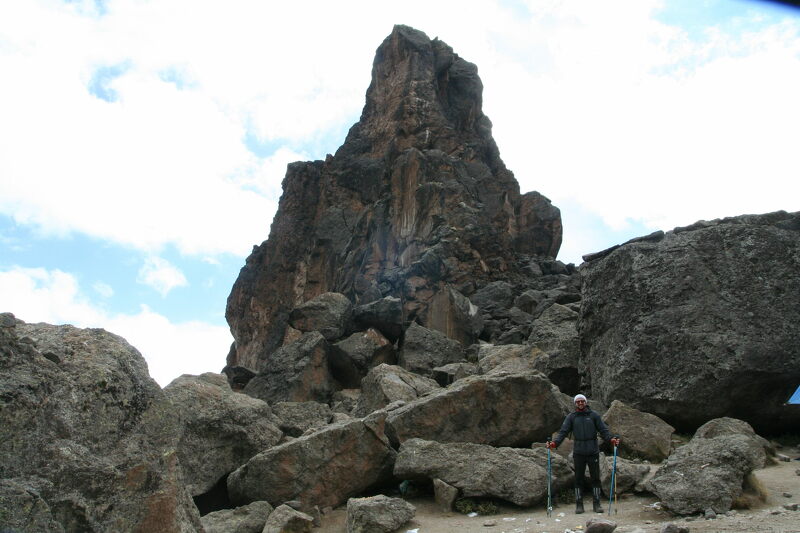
column 422, row 96
column 415, row 205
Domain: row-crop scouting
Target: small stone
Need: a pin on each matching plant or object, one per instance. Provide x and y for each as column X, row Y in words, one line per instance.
column 784, row 458
column 776, row 512
column 710, row 514
column 787, row 495
column 791, row 506
column 490, row 523
column 797, row 471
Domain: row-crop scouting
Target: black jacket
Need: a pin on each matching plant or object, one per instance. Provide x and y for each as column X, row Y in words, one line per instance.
column 584, row 425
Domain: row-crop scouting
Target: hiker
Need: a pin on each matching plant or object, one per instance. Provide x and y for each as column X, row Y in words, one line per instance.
column 584, row 424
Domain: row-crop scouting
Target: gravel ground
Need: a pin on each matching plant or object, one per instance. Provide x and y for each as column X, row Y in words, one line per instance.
column 632, row 513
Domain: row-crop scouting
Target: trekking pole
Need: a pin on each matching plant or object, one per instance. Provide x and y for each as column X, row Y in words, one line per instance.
column 549, row 484
column 613, row 485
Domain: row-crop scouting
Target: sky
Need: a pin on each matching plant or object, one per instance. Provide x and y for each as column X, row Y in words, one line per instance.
column 143, row 143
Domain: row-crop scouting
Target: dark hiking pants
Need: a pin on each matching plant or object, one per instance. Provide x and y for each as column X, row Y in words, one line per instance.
column 581, row 462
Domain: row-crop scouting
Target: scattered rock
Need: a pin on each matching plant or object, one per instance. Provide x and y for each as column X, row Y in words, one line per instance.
column 285, row 519
column 791, row 506
column 377, row 514
column 709, row 514
column 600, row 525
column 246, row 519
column 673, row 528
column 445, row 494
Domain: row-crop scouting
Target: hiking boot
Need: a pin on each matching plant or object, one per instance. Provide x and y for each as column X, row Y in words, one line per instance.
column 596, row 500
column 578, row 502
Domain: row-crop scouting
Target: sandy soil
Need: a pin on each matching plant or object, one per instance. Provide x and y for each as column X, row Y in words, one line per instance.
column 631, row 513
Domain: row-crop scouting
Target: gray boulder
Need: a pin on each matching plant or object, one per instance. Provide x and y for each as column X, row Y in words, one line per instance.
column 720, row 427
column 324, row 468
column 424, row 349
column 642, row 435
column 385, row 315
column 447, row 374
column 330, row 313
column 496, row 409
column 698, row 323
column 245, row 519
column 555, row 333
column 517, row 475
column 377, row 514
column 630, row 476
column 86, row 433
column 706, row 473
column 295, row 418
column 285, row 519
column 297, row 372
column 221, row 429
column 385, row 384
column 494, row 295
column 600, row 525
column 23, row 509
column 351, row 358
column 507, row 358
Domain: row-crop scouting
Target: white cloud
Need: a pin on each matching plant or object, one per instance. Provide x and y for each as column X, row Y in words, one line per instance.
column 596, row 104
column 103, row 289
column 161, row 275
column 170, row 349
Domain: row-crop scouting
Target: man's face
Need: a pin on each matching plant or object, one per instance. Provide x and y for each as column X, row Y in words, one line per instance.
column 580, row 405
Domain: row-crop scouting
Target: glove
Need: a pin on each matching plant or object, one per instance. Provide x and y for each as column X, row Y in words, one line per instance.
column 615, row 441
column 551, row 444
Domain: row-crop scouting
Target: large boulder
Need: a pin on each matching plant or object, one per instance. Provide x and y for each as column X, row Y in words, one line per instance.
column 555, row 333
column 515, row 475
column 351, row 358
column 221, row 429
column 507, row 358
column 329, row 313
column 424, row 349
column 706, row 473
column 385, row 384
column 295, row 418
column 297, row 372
column 497, row 409
column 323, row 469
column 385, row 315
column 87, row 434
column 415, row 205
column 630, row 476
column 642, row 435
column 732, row 426
column 377, row 514
column 245, row 519
column 699, row 323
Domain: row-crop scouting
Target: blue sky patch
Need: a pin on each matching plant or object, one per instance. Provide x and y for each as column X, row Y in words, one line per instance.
column 100, row 84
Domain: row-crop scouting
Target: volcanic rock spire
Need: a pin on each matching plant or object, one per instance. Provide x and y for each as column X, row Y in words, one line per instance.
column 416, row 204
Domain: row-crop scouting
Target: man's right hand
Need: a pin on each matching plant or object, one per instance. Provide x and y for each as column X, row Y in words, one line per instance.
column 551, row 444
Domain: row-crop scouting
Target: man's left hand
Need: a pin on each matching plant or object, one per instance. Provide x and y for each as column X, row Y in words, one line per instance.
column 615, row 441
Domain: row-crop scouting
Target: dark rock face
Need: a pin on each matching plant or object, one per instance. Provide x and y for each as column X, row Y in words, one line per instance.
column 86, row 434
column 700, row 322
column 415, row 205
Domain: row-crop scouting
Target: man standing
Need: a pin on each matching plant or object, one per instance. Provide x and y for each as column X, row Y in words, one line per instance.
column 585, row 424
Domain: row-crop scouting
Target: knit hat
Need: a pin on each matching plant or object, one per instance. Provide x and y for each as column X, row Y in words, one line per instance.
column 579, row 397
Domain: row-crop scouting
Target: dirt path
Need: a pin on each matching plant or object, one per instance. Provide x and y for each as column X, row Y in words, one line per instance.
column 633, row 514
